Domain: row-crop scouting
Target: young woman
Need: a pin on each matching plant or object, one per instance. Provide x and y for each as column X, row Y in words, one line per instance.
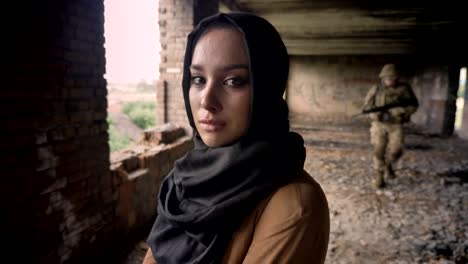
column 241, row 195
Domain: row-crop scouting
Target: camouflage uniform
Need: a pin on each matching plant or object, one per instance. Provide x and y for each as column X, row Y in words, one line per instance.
column 387, row 127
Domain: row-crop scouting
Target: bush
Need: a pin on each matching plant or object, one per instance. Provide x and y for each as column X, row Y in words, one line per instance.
column 141, row 113
column 142, row 86
column 117, row 140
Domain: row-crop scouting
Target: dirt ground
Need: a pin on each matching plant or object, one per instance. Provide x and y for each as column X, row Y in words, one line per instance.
column 420, row 217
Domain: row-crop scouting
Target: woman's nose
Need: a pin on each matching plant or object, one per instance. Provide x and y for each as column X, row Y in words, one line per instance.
column 210, row 98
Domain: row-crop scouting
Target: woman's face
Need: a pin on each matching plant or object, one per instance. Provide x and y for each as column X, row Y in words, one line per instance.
column 220, row 89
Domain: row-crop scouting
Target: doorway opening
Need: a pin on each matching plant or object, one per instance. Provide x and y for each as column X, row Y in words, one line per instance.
column 132, row 48
column 460, row 98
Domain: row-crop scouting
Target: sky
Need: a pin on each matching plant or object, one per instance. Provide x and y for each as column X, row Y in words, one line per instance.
column 463, row 76
column 132, row 46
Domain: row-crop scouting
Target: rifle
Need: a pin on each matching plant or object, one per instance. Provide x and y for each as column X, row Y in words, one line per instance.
column 384, row 108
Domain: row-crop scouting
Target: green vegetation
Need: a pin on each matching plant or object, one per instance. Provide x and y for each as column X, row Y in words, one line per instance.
column 141, row 113
column 459, row 113
column 117, row 140
column 458, row 121
column 460, row 102
column 461, row 91
column 143, row 86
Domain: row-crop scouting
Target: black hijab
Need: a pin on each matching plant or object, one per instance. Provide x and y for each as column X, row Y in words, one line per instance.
column 211, row 190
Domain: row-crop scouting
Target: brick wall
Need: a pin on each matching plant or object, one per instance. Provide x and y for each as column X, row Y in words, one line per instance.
column 176, row 20
column 59, row 186
column 137, row 174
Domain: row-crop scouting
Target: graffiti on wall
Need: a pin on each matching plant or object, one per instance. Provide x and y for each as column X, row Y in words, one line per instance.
column 330, row 96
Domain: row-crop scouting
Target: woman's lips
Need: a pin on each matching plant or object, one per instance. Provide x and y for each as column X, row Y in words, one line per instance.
column 211, row 125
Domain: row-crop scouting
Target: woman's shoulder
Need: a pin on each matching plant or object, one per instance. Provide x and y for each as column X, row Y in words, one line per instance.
column 302, row 197
column 292, row 225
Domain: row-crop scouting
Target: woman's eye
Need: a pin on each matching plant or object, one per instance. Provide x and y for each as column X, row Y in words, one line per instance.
column 197, row 80
column 235, row 82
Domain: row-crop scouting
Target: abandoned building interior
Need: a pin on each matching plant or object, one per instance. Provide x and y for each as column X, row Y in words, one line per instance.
column 64, row 200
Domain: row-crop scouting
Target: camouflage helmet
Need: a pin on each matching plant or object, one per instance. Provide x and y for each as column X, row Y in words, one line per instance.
column 388, row 70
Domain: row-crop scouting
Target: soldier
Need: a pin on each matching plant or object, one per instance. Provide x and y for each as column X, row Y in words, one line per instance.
column 387, row 125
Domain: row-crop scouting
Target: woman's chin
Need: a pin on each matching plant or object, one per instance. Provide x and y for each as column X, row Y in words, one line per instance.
column 213, row 141
column 216, row 141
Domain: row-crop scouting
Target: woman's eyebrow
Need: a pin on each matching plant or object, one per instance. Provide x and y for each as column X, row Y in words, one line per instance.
column 196, row 67
column 224, row 67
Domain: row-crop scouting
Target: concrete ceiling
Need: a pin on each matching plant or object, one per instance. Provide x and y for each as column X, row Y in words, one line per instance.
column 362, row 27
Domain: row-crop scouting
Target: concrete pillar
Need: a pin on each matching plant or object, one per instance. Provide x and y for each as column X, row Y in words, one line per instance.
column 431, row 85
column 451, row 101
column 443, row 100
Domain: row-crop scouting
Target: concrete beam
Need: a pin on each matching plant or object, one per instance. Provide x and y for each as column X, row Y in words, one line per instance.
column 361, row 27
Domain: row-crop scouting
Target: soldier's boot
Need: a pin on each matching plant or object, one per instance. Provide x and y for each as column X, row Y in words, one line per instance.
column 379, row 182
column 389, row 172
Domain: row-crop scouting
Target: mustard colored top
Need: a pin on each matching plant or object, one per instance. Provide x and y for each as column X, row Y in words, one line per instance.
column 290, row 226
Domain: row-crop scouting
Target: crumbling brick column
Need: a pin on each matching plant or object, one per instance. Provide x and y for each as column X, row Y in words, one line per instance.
column 57, row 198
column 176, row 20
